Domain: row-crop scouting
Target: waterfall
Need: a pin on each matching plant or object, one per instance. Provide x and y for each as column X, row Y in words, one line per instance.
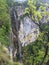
column 15, row 29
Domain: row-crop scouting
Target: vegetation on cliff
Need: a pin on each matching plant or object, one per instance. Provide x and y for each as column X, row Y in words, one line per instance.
column 37, row 52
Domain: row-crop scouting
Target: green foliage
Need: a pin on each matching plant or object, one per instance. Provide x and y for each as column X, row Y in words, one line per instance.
column 35, row 14
column 4, row 23
column 33, row 54
column 5, row 58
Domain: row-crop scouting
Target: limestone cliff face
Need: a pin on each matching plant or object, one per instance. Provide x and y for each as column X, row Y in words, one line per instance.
column 28, row 31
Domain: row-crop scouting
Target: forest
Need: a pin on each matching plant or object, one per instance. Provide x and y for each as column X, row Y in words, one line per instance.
column 24, row 32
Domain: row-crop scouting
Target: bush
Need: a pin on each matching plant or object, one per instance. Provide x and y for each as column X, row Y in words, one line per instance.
column 5, row 58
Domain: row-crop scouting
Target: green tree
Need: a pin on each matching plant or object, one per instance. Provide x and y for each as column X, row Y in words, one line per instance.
column 4, row 22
